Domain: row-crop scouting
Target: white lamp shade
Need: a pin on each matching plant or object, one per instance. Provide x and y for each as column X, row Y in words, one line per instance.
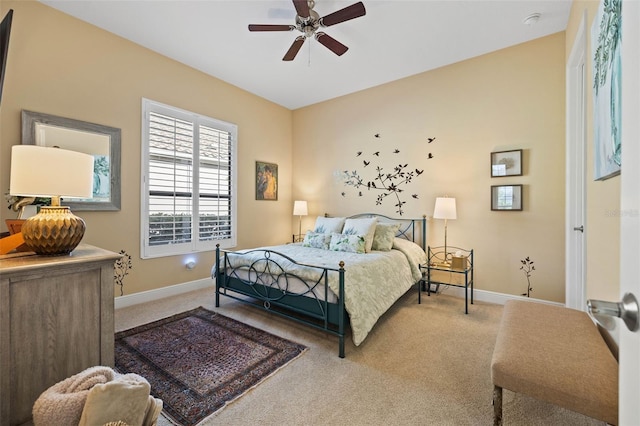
column 445, row 208
column 38, row 171
column 300, row 208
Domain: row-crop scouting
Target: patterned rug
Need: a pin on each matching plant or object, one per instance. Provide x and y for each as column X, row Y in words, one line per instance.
column 199, row 361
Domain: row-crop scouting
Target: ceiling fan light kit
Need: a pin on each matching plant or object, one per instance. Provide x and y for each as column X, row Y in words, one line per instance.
column 308, row 22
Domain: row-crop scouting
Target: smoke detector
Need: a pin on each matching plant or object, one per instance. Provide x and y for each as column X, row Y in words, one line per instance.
column 531, row 19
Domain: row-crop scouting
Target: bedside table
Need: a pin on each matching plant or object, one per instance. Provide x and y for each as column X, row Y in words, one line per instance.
column 440, row 263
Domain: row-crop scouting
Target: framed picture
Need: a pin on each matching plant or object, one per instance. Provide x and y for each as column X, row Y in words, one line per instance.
column 101, row 142
column 506, row 197
column 506, row 163
column 266, row 181
column 607, row 89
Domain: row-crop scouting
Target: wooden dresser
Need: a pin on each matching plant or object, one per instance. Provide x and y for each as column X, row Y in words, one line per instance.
column 56, row 319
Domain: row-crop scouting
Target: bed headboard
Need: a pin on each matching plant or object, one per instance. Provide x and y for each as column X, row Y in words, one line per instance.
column 410, row 229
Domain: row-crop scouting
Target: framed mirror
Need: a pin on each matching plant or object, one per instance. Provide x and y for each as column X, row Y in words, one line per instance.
column 102, row 142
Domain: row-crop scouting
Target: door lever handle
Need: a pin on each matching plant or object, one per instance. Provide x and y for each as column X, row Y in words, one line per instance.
column 579, row 228
column 627, row 310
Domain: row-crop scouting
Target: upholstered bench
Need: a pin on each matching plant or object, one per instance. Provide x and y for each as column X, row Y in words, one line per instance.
column 554, row 354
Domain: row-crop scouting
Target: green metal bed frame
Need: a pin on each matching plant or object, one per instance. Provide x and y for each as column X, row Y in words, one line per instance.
column 265, row 284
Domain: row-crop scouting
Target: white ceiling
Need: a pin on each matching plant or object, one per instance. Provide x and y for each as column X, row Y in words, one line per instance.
column 395, row 39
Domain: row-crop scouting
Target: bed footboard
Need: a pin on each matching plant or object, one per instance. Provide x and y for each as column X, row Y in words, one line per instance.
column 263, row 282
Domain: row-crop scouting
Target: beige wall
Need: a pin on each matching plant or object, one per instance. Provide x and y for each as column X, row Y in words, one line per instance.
column 59, row 65
column 602, row 228
column 510, row 99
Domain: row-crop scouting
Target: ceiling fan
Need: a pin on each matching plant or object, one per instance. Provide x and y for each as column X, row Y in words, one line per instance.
column 308, row 22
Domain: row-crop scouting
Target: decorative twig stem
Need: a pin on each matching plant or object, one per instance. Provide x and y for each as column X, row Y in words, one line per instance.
column 528, row 268
column 121, row 269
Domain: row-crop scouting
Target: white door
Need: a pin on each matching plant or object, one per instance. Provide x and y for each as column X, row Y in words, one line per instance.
column 575, row 291
column 630, row 209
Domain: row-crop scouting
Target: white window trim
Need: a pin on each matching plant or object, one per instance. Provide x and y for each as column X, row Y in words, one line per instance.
column 194, row 246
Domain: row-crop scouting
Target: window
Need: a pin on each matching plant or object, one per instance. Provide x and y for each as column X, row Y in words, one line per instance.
column 188, row 181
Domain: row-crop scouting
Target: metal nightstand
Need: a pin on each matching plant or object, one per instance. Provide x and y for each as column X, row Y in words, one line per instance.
column 439, row 261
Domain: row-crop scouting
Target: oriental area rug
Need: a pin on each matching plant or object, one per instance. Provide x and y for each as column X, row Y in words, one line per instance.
column 198, row 361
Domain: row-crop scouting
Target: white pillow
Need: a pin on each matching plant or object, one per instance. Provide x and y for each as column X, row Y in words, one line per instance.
column 347, row 242
column 363, row 226
column 329, row 225
column 384, row 235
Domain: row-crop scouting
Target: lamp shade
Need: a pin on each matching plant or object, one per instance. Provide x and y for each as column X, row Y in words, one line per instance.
column 300, row 208
column 38, row 171
column 445, row 208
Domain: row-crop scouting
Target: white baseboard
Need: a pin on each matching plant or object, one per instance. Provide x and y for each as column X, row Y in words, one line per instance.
column 491, row 296
column 173, row 290
column 161, row 293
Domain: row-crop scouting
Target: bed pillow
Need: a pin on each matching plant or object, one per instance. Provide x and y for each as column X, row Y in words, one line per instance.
column 316, row 240
column 384, row 235
column 329, row 225
column 363, row 226
column 347, row 242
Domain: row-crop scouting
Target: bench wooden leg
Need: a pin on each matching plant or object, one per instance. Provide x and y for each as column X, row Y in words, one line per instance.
column 497, row 406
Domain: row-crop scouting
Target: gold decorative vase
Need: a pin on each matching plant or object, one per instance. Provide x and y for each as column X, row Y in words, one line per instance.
column 53, row 231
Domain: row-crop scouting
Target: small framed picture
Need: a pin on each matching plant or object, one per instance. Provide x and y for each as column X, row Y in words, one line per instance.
column 506, row 197
column 506, row 163
column 266, row 181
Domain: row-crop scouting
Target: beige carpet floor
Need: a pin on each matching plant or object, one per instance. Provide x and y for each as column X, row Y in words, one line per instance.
column 426, row 364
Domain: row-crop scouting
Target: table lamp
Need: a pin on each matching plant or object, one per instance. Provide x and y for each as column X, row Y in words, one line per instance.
column 38, row 171
column 445, row 209
column 300, row 209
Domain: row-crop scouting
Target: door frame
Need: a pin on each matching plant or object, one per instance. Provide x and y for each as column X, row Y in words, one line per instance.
column 575, row 180
column 629, row 372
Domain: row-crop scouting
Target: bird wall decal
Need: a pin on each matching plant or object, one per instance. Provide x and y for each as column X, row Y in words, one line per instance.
column 385, row 183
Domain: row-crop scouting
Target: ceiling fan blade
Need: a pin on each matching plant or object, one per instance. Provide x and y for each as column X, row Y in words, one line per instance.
column 331, row 43
column 350, row 12
column 293, row 50
column 268, row 27
column 302, row 7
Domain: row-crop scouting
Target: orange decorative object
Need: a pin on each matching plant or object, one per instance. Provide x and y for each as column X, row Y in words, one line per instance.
column 14, row 225
column 10, row 243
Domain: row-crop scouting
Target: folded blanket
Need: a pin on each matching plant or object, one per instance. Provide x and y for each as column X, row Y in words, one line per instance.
column 63, row 402
column 95, row 394
column 125, row 399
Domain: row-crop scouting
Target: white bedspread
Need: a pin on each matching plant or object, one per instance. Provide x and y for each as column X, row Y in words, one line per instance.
column 373, row 281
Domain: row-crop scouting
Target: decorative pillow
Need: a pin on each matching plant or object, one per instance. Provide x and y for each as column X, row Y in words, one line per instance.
column 351, row 243
column 329, row 225
column 365, row 227
column 316, row 240
column 384, row 235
